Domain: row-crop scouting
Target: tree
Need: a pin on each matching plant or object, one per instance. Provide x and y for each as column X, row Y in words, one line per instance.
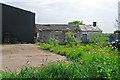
column 77, row 23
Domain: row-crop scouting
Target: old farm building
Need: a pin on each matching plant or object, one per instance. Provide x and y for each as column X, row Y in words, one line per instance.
column 57, row 31
column 87, row 31
column 18, row 25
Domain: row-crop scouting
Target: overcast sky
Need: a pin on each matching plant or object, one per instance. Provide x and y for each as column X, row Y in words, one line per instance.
column 105, row 12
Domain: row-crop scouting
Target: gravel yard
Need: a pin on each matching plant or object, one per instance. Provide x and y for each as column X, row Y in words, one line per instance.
column 14, row 57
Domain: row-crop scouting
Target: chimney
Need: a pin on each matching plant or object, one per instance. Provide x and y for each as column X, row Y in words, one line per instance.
column 94, row 24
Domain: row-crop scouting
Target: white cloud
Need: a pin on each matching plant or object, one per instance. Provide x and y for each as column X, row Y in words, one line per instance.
column 62, row 11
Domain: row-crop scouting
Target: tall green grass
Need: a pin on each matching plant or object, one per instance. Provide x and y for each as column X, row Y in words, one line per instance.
column 88, row 61
column 64, row 70
column 98, row 61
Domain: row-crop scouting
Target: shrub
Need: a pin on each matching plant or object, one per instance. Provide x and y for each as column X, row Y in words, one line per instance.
column 100, row 39
column 87, row 48
column 45, row 46
column 55, row 49
column 70, row 39
column 53, row 42
column 76, row 53
column 67, row 52
column 101, row 65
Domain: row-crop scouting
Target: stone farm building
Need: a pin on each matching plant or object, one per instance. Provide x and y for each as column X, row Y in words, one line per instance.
column 17, row 25
column 57, row 31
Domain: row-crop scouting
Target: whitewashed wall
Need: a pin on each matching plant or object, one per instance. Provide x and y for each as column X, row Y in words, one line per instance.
column 89, row 35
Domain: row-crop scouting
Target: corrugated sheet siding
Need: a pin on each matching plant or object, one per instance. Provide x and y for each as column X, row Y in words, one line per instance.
column 0, row 23
column 20, row 24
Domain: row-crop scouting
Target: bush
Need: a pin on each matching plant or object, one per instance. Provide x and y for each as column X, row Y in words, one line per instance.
column 55, row 49
column 53, row 42
column 45, row 46
column 76, row 53
column 101, row 65
column 100, row 39
column 70, row 39
column 87, row 48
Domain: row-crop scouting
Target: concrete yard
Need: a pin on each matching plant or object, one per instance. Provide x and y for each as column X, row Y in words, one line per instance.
column 15, row 56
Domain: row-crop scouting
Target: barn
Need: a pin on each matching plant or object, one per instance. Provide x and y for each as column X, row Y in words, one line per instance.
column 87, row 31
column 58, row 31
column 17, row 25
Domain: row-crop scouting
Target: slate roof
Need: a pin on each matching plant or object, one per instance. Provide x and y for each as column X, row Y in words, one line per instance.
column 64, row 27
column 89, row 28
column 58, row 27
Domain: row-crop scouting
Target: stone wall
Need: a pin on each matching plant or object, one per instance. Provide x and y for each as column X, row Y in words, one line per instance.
column 44, row 36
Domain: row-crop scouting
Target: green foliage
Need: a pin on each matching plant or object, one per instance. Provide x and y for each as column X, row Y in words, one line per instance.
column 53, row 42
column 57, row 70
column 70, row 38
column 101, row 65
column 71, row 70
column 0, row 74
column 87, row 47
column 77, row 23
column 94, row 60
column 71, row 41
column 100, row 39
column 55, row 49
column 45, row 46
column 76, row 53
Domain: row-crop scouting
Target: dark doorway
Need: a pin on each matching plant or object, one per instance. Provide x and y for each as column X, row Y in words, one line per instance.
column 84, row 38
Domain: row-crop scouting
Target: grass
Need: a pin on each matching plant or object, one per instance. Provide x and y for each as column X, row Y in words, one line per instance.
column 59, row 70
column 88, row 61
column 62, row 70
column 99, row 61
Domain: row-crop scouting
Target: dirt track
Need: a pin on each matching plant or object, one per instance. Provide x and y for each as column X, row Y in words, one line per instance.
column 16, row 56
